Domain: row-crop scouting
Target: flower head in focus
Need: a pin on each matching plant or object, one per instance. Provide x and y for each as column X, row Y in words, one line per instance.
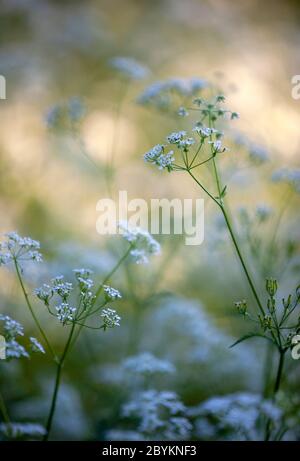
column 17, row 248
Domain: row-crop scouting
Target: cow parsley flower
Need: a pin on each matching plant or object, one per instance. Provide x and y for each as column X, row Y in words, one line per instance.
column 14, row 350
column 44, row 293
column 258, row 154
column 61, row 288
column 12, row 328
column 182, row 112
column 111, row 294
column 129, row 67
column 65, row 114
column 204, row 131
column 19, row 249
column 160, row 414
column 176, row 137
column 143, row 244
column 76, row 109
column 22, row 430
column 110, row 318
column 65, row 312
column 160, row 94
column 157, row 156
column 36, row 345
column 217, row 146
column 147, row 364
column 263, row 212
column 234, row 417
column 288, row 176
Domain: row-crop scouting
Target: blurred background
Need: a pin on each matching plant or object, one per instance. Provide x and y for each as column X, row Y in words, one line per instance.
column 73, row 131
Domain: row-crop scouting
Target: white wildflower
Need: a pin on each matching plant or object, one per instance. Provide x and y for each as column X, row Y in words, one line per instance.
column 143, row 244
column 12, row 328
column 111, row 294
column 36, row 345
column 62, row 288
column 65, row 312
column 158, row 156
column 19, row 249
column 147, row 364
column 289, row 176
column 44, row 293
column 110, row 318
column 22, row 430
column 129, row 67
column 176, row 137
column 14, row 350
column 160, row 414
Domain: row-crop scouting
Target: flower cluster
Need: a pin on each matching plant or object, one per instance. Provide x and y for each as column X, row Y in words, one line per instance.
column 146, row 364
column 235, row 417
column 111, row 294
column 189, row 152
column 161, row 94
column 110, row 318
column 11, row 331
column 142, row 243
column 158, row 156
column 65, row 114
column 64, row 309
column 288, row 176
column 129, row 67
column 160, row 414
column 17, row 248
column 29, row 431
column 60, row 290
column 257, row 153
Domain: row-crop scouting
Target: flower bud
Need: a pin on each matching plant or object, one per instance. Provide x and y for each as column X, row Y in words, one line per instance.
column 271, row 286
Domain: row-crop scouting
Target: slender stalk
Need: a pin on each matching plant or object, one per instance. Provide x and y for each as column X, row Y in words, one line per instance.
column 279, row 372
column 42, row 332
column 4, row 410
column 276, row 388
column 235, row 243
column 5, row 415
column 57, row 383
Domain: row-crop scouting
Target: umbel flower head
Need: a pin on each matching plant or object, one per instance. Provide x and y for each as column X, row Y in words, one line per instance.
column 11, row 331
column 110, row 318
column 129, row 67
column 75, row 302
column 17, row 248
column 64, row 114
column 159, row 157
column 142, row 243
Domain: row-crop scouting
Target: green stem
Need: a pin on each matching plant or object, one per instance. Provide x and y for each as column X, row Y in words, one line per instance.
column 279, row 372
column 277, row 384
column 57, row 383
column 42, row 332
column 235, row 243
column 3, row 409
column 5, row 415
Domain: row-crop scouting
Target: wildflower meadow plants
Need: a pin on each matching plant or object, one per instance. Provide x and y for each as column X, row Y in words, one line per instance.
column 78, row 303
column 188, row 152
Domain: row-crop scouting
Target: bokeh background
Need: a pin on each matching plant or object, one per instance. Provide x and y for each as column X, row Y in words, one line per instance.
column 180, row 308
